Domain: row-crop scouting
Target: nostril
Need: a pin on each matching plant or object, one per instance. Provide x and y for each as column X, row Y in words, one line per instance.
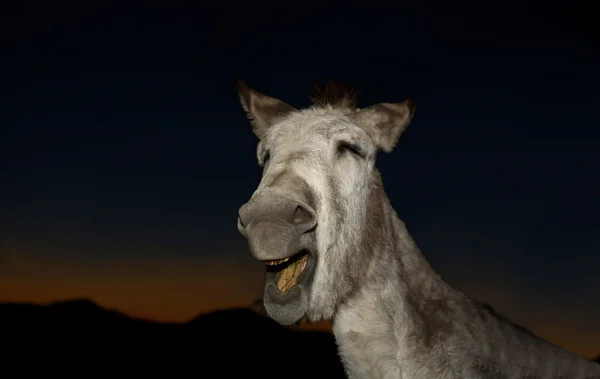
column 302, row 215
column 240, row 221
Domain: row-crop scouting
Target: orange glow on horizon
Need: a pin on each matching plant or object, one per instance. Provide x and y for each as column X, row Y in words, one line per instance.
column 176, row 290
column 172, row 291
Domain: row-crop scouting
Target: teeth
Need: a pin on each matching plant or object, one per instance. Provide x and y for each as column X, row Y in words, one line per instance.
column 276, row 262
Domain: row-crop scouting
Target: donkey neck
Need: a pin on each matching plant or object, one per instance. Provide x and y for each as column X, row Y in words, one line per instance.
column 405, row 322
column 376, row 328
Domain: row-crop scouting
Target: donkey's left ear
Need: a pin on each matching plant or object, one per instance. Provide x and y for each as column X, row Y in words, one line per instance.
column 262, row 110
column 390, row 120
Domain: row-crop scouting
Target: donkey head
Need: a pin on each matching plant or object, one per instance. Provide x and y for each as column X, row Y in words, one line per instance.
column 317, row 213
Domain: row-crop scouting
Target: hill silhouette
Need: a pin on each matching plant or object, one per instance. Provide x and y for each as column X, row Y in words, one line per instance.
column 79, row 339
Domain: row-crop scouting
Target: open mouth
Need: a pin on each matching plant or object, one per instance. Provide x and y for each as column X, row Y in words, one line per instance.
column 287, row 286
column 288, row 272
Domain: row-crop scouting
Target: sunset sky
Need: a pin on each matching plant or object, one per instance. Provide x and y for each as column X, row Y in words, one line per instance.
column 125, row 154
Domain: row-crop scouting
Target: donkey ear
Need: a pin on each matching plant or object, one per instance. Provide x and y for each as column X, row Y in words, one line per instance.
column 262, row 110
column 389, row 120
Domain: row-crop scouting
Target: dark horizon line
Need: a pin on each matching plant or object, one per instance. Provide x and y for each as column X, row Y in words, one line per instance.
column 86, row 301
column 256, row 308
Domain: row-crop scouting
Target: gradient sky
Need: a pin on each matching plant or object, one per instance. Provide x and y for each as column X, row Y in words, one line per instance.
column 125, row 154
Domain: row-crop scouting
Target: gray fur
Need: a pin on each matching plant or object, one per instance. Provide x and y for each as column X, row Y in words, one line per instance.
column 393, row 316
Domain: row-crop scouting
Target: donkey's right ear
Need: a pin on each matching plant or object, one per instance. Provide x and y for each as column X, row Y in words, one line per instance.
column 262, row 110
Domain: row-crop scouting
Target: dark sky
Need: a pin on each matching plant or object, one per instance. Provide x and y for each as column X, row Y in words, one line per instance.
column 125, row 154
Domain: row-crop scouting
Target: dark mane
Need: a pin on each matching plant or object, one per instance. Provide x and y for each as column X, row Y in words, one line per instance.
column 335, row 95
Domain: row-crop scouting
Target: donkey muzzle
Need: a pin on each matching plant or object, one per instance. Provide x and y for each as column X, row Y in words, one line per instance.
column 276, row 227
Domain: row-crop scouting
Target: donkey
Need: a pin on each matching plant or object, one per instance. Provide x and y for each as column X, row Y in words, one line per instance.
column 335, row 249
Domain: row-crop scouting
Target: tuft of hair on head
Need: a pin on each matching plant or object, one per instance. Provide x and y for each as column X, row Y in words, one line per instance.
column 334, row 94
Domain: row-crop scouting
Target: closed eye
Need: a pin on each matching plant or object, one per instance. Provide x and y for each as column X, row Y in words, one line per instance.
column 344, row 147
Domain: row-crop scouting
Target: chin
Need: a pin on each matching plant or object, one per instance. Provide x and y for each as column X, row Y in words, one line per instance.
column 288, row 285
